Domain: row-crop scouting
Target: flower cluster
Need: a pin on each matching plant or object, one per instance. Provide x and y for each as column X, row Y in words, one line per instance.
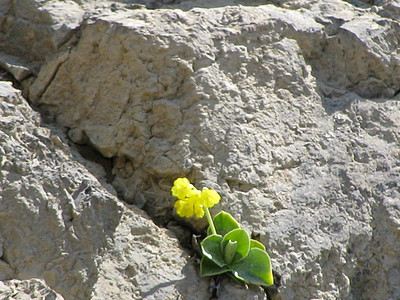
column 191, row 201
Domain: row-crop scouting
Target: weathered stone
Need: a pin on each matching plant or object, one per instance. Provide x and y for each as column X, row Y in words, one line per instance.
column 290, row 112
column 27, row 289
column 58, row 223
column 18, row 69
column 36, row 29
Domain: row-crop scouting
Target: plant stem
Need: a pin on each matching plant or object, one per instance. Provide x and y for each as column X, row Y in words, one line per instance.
column 210, row 221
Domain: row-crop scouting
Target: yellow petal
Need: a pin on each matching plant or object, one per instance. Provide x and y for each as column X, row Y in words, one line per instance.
column 181, row 188
column 209, row 197
column 196, row 200
column 199, row 211
column 190, row 200
column 184, row 208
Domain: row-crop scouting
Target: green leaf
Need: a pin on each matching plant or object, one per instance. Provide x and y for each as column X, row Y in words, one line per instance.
column 230, row 251
column 211, row 248
column 224, row 223
column 255, row 268
column 240, row 236
column 256, row 244
column 209, row 268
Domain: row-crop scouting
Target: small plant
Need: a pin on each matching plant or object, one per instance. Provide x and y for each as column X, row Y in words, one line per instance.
column 227, row 247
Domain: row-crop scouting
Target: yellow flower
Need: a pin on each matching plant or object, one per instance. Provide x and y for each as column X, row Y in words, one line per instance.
column 190, row 200
column 209, row 197
column 182, row 188
column 191, row 205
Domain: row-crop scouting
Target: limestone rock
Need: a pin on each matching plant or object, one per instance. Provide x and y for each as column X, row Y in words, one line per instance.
column 36, row 29
column 27, row 289
column 59, row 224
column 289, row 110
column 11, row 64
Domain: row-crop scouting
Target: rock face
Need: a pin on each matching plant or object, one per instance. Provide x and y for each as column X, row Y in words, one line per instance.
column 27, row 289
column 59, row 224
column 290, row 110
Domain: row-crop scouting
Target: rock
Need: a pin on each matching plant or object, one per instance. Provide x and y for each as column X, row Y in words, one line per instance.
column 59, row 224
column 18, row 69
column 179, row 80
column 27, row 289
column 289, row 112
column 35, row 29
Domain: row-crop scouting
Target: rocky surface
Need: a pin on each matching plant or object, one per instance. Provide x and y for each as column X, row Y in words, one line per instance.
column 59, row 224
column 27, row 289
column 289, row 109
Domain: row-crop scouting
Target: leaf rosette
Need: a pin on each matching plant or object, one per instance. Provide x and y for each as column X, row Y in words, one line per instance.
column 232, row 250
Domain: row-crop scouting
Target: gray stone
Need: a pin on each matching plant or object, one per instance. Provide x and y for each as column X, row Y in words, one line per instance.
column 11, row 64
column 35, row 29
column 59, row 224
column 289, row 112
column 27, row 289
